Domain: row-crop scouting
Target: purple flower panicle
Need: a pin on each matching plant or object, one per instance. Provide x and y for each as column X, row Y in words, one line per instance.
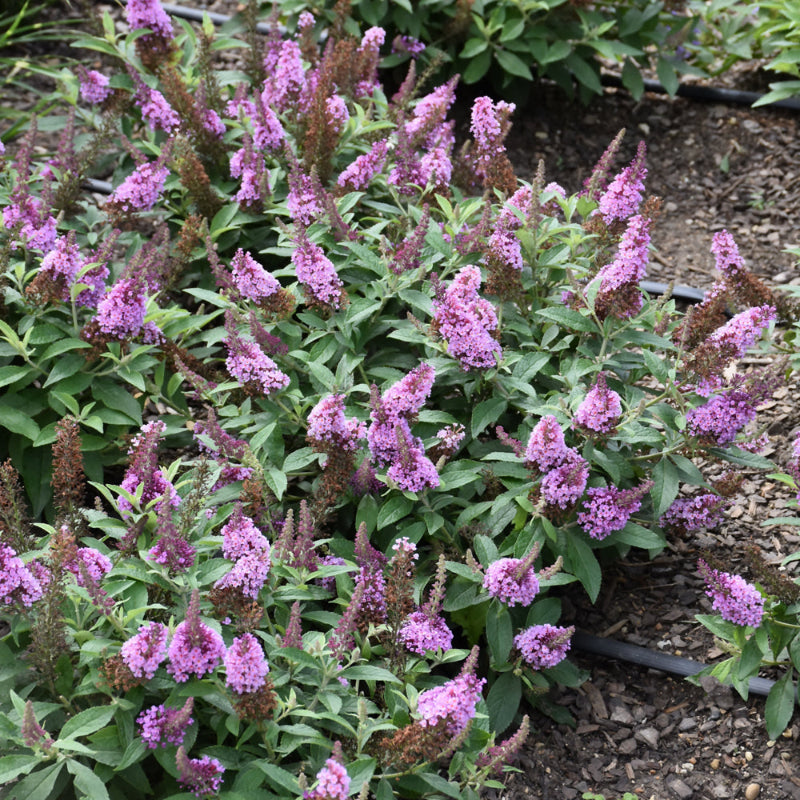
column 454, row 702
column 422, row 633
column 94, row 86
column 733, row 597
column 195, row 648
column 333, row 782
column 544, row 646
column 144, row 652
column 623, row 195
column 546, row 447
column 511, row 581
column 693, row 513
column 600, row 409
column 246, row 666
column 467, row 322
column 160, row 726
column 17, row 582
column 201, row 776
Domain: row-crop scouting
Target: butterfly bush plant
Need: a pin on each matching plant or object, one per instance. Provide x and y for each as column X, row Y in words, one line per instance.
column 306, row 419
column 757, row 623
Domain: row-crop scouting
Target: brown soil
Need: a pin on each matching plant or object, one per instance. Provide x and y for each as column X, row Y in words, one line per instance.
column 637, row 730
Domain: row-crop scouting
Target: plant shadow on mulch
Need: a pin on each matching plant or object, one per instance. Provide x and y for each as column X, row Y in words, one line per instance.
column 637, row 730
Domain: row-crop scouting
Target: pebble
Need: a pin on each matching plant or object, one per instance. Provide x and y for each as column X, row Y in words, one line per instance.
column 622, row 715
column 752, row 791
column 680, row 789
column 628, row 747
column 648, row 736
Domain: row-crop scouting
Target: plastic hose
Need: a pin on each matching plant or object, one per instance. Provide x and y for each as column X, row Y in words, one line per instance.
column 709, row 94
column 633, row 654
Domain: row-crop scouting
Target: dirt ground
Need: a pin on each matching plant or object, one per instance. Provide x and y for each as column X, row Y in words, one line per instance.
column 637, row 730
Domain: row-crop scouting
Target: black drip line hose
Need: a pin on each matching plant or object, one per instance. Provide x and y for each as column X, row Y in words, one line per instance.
column 633, row 654
column 595, row 645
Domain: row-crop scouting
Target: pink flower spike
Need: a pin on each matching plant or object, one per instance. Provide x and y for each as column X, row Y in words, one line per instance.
column 144, row 652
column 600, row 410
column 544, row 646
column 195, row 649
column 246, row 666
column 733, row 598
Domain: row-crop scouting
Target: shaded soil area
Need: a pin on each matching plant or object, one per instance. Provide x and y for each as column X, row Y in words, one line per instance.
column 637, row 730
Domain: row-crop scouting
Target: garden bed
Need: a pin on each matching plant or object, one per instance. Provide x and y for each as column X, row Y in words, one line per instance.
column 637, row 730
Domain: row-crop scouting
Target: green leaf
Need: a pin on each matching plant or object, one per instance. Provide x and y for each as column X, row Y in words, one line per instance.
column 780, row 705
column 632, row 79
column 38, row 785
column 485, row 413
column 665, row 486
column 513, row 64
column 473, row 47
column 65, row 367
column 741, row 457
column 569, row 318
column 279, row 777
column 115, row 397
column 368, row 672
column 393, row 510
column 299, row 459
column 503, row 701
column 13, row 766
column 277, row 482
column 477, row 67
column 485, row 549
column 639, row 536
column 750, row 660
column 86, row 722
column 14, row 373
column 86, row 780
column 17, row 421
column 499, row 632
column 582, row 563
column 584, row 72
column 667, row 75
column 657, row 366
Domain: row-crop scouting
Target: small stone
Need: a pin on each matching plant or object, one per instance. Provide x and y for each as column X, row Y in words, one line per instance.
column 648, row 736
column 687, row 723
column 714, row 763
column 628, row 747
column 680, row 789
column 752, row 791
column 622, row 715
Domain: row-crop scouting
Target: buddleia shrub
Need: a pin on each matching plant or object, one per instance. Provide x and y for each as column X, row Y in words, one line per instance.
column 303, row 423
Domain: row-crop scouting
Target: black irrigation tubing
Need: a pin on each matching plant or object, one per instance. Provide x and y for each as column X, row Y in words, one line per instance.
column 675, row 665
column 709, row 94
